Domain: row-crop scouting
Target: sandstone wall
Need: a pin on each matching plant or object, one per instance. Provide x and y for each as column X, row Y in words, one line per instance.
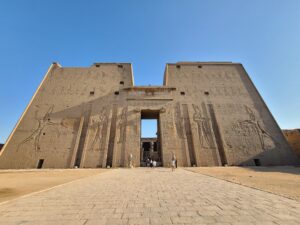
column 71, row 105
column 209, row 114
column 293, row 137
column 229, row 121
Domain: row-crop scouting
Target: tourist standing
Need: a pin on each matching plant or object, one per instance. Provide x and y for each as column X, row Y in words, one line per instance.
column 173, row 162
column 154, row 163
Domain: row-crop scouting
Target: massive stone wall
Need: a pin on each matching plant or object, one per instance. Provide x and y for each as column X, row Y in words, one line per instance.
column 229, row 121
column 66, row 122
column 209, row 114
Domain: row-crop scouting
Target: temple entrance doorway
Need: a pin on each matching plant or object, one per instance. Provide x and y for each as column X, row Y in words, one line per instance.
column 150, row 139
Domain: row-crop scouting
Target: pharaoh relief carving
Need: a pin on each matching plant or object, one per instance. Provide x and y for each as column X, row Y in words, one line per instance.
column 204, row 126
column 99, row 127
column 44, row 123
column 253, row 131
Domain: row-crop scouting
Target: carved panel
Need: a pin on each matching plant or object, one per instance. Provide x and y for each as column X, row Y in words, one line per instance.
column 45, row 124
column 178, row 121
column 189, row 136
column 122, row 125
column 112, row 136
column 99, row 128
column 250, row 134
column 204, row 126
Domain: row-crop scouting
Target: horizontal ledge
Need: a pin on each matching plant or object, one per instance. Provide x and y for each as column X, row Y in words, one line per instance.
column 150, row 88
column 147, row 99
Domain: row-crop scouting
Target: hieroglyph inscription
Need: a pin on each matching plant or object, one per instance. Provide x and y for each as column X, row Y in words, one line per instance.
column 204, row 126
column 230, row 108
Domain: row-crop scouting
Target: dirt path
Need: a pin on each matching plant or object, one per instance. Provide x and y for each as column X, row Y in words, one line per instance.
column 15, row 183
column 284, row 180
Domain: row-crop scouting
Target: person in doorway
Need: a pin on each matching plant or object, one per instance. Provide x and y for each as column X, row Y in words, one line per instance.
column 154, row 163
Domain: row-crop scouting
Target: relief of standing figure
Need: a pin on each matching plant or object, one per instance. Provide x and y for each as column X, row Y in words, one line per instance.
column 262, row 133
column 204, row 128
column 36, row 134
column 99, row 125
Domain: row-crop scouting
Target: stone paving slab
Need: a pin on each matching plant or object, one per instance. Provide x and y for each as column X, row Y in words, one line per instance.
column 150, row 197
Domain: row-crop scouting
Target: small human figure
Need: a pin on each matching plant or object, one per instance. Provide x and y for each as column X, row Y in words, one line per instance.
column 148, row 162
column 154, row 163
column 130, row 157
column 151, row 163
column 173, row 164
column 173, row 161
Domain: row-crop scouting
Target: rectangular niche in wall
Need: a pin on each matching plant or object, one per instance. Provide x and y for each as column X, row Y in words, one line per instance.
column 40, row 164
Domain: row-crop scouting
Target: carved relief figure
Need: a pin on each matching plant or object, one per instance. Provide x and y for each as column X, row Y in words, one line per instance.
column 204, row 127
column 36, row 134
column 253, row 126
column 99, row 124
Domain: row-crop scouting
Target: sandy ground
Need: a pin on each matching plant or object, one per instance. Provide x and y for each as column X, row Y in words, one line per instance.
column 284, row 180
column 15, row 183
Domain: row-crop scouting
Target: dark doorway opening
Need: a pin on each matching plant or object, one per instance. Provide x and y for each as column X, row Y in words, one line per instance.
column 40, row 164
column 257, row 162
column 150, row 138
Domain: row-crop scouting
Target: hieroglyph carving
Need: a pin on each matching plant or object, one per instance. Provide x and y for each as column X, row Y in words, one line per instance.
column 204, row 126
column 253, row 127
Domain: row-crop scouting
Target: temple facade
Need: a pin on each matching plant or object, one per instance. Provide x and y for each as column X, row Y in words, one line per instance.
column 208, row 114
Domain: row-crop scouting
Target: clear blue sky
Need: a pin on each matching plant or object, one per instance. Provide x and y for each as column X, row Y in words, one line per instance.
column 264, row 35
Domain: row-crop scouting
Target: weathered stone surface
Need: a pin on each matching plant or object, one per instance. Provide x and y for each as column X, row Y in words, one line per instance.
column 210, row 114
column 293, row 137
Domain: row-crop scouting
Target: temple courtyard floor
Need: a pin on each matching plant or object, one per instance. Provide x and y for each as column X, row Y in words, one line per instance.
column 151, row 196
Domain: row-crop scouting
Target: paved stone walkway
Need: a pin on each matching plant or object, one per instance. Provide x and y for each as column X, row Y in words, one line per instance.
column 150, row 196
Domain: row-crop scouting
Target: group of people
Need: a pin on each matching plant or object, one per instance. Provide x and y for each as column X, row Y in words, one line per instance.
column 151, row 163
